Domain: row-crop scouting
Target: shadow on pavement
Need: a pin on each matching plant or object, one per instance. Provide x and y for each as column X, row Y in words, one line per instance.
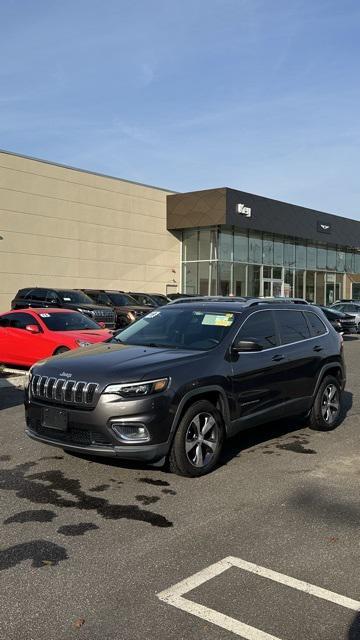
column 11, row 398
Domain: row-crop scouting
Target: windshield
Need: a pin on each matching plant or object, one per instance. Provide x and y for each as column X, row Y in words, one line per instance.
column 78, row 297
column 160, row 300
column 71, row 321
column 121, row 299
column 178, row 329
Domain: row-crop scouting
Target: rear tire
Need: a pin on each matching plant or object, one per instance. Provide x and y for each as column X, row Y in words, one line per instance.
column 198, row 441
column 61, row 350
column 326, row 411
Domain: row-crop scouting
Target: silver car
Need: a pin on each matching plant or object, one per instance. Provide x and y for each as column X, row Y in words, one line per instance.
column 349, row 307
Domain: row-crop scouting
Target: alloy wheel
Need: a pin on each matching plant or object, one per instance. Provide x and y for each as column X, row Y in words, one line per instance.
column 330, row 404
column 202, row 439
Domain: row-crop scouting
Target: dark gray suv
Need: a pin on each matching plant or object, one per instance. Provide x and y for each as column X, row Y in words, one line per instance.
column 176, row 383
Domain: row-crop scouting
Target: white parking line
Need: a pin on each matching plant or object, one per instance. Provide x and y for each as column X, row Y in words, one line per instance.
column 174, row 596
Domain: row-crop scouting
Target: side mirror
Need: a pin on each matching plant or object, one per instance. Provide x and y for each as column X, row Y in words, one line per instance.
column 246, row 346
column 102, row 325
column 32, row 328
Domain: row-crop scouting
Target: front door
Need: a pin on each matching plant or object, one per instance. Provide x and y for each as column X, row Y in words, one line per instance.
column 259, row 376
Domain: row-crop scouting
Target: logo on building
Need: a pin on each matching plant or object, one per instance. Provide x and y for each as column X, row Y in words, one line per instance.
column 243, row 210
column 323, row 228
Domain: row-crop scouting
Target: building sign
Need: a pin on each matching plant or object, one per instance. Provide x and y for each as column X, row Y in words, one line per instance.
column 323, row 227
column 243, row 210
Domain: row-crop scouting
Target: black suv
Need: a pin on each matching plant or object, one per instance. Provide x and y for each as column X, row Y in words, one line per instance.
column 176, row 383
column 64, row 299
column 125, row 307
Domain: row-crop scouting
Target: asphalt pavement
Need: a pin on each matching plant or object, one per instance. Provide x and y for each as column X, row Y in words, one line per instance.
column 94, row 549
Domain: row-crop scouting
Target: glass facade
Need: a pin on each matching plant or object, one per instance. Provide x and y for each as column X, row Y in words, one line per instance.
column 223, row 261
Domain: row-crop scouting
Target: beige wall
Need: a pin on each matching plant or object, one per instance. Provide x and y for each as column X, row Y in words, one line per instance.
column 67, row 228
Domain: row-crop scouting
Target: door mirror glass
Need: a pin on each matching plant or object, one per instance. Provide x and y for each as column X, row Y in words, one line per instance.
column 32, row 328
column 246, row 345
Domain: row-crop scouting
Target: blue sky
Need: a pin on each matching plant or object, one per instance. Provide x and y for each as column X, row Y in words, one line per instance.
column 260, row 95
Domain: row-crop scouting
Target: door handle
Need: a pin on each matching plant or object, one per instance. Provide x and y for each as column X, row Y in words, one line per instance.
column 318, row 348
column 278, row 357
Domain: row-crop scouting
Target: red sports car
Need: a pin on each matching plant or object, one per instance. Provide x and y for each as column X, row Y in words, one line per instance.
column 27, row 336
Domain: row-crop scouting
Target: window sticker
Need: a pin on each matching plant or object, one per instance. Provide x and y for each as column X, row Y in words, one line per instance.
column 223, row 320
column 44, row 315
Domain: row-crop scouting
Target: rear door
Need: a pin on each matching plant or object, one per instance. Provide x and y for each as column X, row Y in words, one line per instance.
column 303, row 356
column 259, row 376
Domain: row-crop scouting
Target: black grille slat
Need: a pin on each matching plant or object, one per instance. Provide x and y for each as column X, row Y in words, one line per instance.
column 79, row 391
column 69, row 392
column 58, row 389
column 90, row 391
column 50, row 387
column 68, row 395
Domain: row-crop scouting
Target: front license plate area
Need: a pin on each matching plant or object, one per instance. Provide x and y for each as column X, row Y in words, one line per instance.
column 54, row 419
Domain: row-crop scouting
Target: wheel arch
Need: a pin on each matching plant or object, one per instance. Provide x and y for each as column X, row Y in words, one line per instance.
column 214, row 394
column 334, row 369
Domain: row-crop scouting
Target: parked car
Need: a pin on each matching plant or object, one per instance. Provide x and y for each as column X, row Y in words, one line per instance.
column 34, row 334
column 352, row 308
column 342, row 322
column 174, row 296
column 179, row 381
column 38, row 297
column 149, row 299
column 125, row 307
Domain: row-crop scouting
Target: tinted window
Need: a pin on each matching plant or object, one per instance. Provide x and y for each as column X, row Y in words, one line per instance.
column 292, row 326
column 51, row 296
column 21, row 320
column 101, row 298
column 72, row 321
column 38, row 294
column 4, row 321
column 121, row 299
column 317, row 327
column 259, row 327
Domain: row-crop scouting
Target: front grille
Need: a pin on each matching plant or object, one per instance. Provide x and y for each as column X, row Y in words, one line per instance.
column 104, row 315
column 64, row 391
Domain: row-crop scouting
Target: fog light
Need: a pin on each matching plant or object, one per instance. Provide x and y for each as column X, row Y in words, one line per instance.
column 131, row 432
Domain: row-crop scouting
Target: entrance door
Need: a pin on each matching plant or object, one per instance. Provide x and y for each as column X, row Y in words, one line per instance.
column 272, row 288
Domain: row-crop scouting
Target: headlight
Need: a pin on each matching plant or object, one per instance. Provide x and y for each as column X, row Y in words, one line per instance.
column 138, row 389
column 131, row 316
column 83, row 343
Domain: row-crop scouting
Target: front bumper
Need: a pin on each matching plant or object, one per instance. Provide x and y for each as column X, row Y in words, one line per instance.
column 90, row 431
column 143, row 453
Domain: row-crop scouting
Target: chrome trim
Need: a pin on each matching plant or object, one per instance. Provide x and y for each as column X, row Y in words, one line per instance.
column 60, row 386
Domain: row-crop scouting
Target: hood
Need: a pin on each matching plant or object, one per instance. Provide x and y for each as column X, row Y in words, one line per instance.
column 110, row 363
column 92, row 335
column 87, row 306
column 134, row 307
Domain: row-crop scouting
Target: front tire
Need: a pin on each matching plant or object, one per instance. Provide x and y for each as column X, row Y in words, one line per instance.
column 198, row 441
column 326, row 411
column 61, row 350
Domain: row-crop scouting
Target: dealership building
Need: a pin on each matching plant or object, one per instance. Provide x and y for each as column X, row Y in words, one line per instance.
column 71, row 228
